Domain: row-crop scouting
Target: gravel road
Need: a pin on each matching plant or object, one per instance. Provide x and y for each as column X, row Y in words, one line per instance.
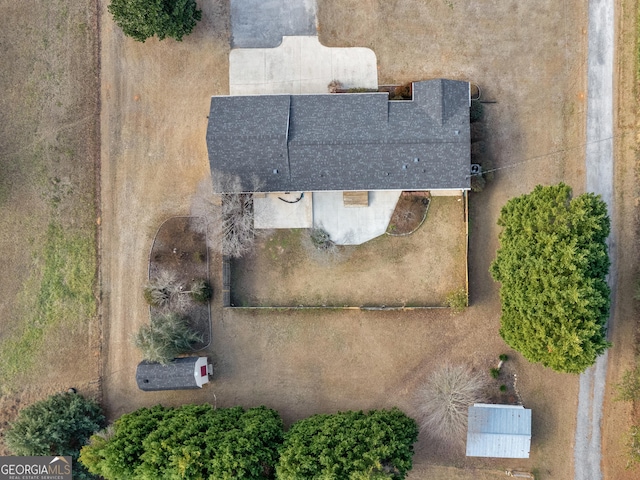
column 599, row 168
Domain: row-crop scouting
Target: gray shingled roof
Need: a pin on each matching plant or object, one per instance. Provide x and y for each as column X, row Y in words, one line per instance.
column 178, row 375
column 344, row 141
column 501, row 431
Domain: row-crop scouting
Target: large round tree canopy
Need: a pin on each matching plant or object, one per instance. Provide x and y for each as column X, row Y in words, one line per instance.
column 142, row 19
column 349, row 445
column 552, row 263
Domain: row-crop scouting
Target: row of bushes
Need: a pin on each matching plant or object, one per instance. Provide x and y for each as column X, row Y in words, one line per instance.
column 199, row 441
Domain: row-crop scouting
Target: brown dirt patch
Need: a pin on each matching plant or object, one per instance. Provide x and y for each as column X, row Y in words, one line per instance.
column 414, row 270
column 180, row 250
column 410, row 212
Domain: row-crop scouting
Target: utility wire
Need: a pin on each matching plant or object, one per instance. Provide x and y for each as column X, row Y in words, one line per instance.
column 538, row 157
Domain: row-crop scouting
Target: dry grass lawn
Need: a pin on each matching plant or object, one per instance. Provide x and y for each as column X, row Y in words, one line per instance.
column 417, row 270
column 48, row 160
column 155, row 100
column 154, row 105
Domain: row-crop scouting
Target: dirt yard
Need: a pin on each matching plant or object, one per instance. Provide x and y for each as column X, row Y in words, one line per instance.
column 417, row 270
column 154, row 107
column 155, row 102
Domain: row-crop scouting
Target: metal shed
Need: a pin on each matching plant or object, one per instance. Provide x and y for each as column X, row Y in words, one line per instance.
column 501, row 431
column 181, row 374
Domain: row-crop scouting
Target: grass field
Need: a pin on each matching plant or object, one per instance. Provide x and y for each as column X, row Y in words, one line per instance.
column 48, row 145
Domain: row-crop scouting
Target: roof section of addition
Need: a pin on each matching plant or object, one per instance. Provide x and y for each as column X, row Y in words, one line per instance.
column 345, row 141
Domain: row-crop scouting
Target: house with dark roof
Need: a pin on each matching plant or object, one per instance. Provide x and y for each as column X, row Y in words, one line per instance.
column 341, row 159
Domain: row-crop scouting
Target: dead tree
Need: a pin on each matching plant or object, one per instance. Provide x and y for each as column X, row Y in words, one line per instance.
column 226, row 215
column 444, row 399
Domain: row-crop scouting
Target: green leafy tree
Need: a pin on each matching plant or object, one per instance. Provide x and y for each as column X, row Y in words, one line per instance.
column 166, row 337
column 349, row 445
column 142, row 19
column 552, row 263
column 59, row 425
column 192, row 441
column 116, row 454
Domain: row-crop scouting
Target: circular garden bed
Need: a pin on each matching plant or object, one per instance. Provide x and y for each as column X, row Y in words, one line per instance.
column 179, row 260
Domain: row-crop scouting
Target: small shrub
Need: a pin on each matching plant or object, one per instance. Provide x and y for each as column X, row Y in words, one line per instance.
column 503, row 357
column 476, row 111
column 161, row 291
column 633, row 446
column 629, row 387
column 321, row 239
column 457, row 301
column 503, row 388
column 478, row 182
column 166, row 337
column 201, row 291
column 334, row 86
column 402, row 92
column 494, row 372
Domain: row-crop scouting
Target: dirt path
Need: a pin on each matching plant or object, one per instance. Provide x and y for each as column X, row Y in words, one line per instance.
column 599, row 163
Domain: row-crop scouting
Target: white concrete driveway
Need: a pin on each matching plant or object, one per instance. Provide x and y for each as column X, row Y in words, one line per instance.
column 300, row 65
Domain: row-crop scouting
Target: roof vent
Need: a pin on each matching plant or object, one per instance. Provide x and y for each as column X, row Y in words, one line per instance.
column 404, row 167
column 416, row 160
column 457, row 132
column 275, row 171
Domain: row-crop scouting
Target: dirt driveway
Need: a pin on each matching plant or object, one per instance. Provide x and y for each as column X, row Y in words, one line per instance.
column 155, row 102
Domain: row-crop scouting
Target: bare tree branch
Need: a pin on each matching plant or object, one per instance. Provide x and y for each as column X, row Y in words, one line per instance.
column 444, row 400
column 227, row 218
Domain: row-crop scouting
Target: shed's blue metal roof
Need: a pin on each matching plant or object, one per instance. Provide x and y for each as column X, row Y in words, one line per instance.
column 502, row 431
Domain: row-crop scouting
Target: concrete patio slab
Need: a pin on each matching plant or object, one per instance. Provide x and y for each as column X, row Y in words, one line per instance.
column 263, row 23
column 283, row 210
column 301, row 64
column 354, row 225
